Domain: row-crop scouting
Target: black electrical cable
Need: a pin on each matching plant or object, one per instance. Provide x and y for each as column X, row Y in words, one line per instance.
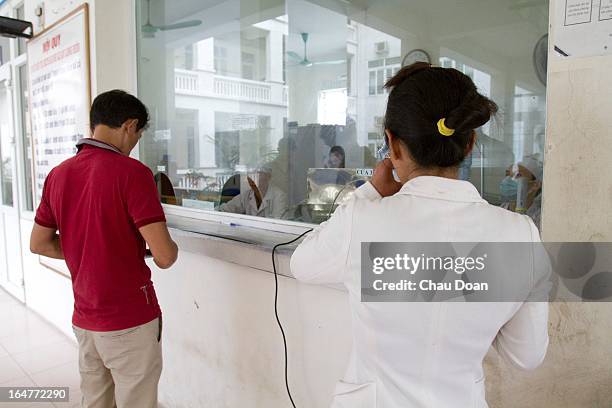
column 280, row 326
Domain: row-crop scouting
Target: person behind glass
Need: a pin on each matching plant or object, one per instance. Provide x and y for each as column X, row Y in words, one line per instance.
column 423, row 354
column 262, row 198
column 106, row 208
column 336, row 158
column 531, row 168
column 524, row 175
column 508, row 188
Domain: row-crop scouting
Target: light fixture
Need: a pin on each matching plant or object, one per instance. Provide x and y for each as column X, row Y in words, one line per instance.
column 12, row 28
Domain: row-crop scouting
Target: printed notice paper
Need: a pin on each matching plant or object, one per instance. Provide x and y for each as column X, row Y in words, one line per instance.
column 582, row 28
column 58, row 62
column 58, row 65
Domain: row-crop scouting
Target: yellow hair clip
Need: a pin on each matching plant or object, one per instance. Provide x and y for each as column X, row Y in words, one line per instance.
column 444, row 131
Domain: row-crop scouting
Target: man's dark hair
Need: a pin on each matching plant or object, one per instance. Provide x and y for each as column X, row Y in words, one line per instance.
column 114, row 107
column 420, row 95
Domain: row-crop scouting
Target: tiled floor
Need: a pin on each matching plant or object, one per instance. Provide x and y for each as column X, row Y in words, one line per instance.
column 34, row 353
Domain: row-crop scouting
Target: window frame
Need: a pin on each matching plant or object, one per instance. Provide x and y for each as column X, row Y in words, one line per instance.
column 18, row 41
column 381, row 70
column 6, row 81
column 20, row 128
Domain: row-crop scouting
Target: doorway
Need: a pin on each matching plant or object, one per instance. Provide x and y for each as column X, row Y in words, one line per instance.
column 11, row 269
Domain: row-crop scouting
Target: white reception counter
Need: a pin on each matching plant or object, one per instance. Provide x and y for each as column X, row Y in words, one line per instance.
column 221, row 341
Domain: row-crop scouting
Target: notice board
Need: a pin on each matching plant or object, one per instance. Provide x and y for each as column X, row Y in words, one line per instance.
column 60, row 97
column 60, row 94
column 582, row 28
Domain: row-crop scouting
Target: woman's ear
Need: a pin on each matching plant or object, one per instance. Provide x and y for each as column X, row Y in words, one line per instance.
column 395, row 150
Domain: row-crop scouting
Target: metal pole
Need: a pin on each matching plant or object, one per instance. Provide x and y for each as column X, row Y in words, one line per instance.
column 482, row 148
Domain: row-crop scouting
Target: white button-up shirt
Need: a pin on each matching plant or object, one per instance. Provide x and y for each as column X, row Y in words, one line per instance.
column 421, row 354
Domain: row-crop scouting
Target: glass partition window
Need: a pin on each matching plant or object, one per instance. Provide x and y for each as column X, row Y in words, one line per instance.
column 275, row 108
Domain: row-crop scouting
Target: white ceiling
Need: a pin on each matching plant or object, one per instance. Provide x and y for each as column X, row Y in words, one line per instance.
column 327, row 30
column 505, row 29
column 509, row 28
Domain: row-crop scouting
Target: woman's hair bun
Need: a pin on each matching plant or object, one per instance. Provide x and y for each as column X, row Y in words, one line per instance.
column 420, row 95
column 473, row 112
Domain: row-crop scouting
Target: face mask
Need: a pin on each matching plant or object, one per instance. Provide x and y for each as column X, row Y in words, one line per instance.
column 508, row 188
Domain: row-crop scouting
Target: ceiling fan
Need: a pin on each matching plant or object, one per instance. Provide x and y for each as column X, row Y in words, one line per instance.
column 149, row 30
column 304, row 61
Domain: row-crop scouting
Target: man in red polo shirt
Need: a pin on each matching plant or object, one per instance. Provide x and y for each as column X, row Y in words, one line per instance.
column 105, row 206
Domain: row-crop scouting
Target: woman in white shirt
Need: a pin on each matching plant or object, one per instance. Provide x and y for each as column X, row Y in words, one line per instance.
column 423, row 354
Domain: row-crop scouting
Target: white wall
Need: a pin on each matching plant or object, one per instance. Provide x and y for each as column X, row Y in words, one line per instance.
column 577, row 207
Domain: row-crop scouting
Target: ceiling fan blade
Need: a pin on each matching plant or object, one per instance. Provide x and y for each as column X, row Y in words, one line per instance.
column 294, row 55
column 335, row 62
column 184, row 24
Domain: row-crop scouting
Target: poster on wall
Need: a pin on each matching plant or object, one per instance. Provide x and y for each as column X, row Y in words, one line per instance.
column 60, row 96
column 583, row 28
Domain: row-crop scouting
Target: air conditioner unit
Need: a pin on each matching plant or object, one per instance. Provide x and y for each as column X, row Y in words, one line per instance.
column 381, row 47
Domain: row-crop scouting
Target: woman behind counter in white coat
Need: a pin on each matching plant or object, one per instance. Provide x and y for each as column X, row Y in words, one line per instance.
column 423, row 354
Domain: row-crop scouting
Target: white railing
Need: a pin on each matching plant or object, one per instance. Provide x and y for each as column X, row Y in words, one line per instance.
column 236, row 88
column 202, row 83
column 185, row 81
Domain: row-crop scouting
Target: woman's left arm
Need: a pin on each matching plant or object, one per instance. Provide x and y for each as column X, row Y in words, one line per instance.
column 322, row 256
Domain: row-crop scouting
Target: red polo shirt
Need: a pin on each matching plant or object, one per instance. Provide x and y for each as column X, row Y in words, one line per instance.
column 97, row 200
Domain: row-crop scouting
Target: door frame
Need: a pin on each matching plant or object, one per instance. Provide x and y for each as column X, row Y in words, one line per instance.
column 14, row 259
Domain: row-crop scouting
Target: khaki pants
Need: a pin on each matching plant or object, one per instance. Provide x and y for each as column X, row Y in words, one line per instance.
column 120, row 368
